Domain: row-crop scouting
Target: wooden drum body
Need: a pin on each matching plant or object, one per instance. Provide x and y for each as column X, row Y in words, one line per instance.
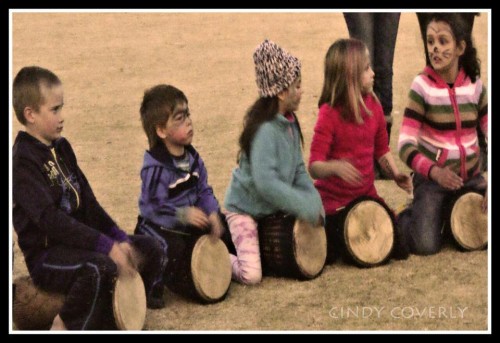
column 291, row 247
column 35, row 309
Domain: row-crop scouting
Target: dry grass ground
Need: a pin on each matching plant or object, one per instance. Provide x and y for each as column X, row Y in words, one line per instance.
column 107, row 60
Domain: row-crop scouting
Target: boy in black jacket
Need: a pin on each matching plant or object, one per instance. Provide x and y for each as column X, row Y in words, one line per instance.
column 70, row 244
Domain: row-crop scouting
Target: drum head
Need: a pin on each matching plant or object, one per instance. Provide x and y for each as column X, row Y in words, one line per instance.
column 129, row 303
column 369, row 233
column 469, row 225
column 309, row 248
column 210, row 268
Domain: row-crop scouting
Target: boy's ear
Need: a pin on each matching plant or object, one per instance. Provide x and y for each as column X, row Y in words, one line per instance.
column 29, row 115
column 161, row 131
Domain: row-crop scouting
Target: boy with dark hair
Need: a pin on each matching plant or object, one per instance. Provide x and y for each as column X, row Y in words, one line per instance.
column 176, row 200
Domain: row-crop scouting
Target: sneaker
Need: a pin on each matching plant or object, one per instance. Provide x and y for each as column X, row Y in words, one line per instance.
column 155, row 299
column 155, row 303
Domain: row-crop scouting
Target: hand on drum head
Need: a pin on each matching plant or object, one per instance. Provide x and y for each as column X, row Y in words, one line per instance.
column 217, row 229
column 404, row 182
column 133, row 255
column 122, row 261
column 196, row 217
column 446, row 178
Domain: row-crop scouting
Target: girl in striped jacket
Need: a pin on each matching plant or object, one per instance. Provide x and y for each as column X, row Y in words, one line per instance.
column 438, row 138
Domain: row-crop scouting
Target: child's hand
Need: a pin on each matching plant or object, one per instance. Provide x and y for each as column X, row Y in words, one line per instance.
column 196, row 217
column 446, row 178
column 121, row 260
column 347, row 172
column 404, row 182
column 216, row 225
column 133, row 256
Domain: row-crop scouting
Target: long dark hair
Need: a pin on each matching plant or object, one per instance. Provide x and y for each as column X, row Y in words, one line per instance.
column 462, row 31
column 262, row 110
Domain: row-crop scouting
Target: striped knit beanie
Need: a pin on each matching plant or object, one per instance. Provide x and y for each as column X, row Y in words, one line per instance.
column 275, row 68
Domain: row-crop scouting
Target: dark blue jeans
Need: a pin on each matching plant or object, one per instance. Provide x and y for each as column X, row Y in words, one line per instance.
column 378, row 31
column 87, row 278
column 424, row 220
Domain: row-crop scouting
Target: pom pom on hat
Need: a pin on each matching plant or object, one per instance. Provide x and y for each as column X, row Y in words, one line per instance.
column 275, row 68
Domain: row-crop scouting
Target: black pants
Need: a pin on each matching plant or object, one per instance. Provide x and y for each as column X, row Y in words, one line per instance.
column 87, row 278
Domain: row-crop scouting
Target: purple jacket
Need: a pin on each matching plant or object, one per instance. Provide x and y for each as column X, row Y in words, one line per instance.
column 166, row 189
column 54, row 203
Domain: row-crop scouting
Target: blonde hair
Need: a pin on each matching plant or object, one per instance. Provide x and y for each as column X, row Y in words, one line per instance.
column 345, row 61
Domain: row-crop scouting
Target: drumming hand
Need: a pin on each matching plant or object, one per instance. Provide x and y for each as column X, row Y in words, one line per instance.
column 196, row 217
column 347, row 172
column 404, row 182
column 216, row 225
column 133, row 256
column 446, row 178
column 121, row 260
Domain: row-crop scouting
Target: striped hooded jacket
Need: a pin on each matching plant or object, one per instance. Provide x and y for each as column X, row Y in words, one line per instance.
column 439, row 124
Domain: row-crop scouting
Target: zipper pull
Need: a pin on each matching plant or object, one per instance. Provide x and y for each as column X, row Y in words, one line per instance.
column 438, row 154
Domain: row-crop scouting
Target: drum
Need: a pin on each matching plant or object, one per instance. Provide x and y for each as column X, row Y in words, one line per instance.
column 129, row 302
column 291, row 247
column 35, row 309
column 198, row 266
column 468, row 224
column 365, row 230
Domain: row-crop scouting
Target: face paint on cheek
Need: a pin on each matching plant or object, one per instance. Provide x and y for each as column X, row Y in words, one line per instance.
column 447, row 53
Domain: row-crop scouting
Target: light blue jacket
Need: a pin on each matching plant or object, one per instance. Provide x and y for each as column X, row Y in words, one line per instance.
column 274, row 178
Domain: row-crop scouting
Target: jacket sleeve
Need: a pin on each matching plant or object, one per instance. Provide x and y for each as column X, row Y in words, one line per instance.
column 206, row 198
column 154, row 202
column 413, row 119
column 32, row 193
column 304, row 183
column 323, row 137
column 265, row 172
